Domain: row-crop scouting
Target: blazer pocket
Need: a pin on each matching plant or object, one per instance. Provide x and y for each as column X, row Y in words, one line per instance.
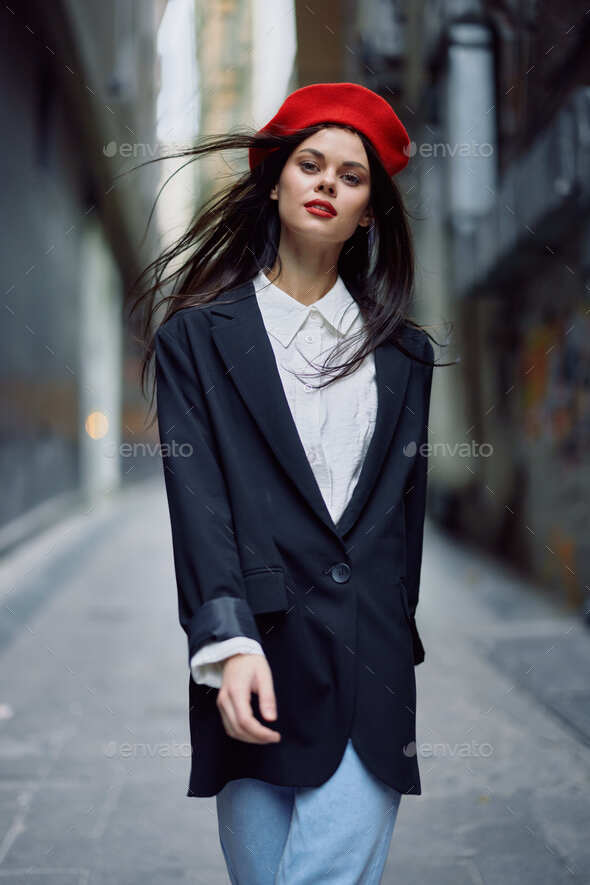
column 265, row 589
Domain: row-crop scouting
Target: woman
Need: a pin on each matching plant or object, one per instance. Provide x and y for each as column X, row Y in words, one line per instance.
column 296, row 508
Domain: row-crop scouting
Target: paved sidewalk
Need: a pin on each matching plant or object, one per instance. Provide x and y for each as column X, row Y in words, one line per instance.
column 94, row 744
column 503, row 731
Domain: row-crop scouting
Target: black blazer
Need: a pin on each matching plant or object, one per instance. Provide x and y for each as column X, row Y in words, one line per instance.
column 257, row 554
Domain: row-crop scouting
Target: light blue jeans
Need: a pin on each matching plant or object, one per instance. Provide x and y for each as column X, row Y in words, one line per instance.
column 337, row 833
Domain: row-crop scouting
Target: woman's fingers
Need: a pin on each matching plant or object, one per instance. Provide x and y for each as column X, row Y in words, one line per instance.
column 243, row 674
column 266, row 693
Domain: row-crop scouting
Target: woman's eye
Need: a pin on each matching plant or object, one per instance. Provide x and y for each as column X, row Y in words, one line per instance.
column 349, row 175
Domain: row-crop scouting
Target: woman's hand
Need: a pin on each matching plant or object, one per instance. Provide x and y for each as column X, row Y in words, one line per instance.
column 243, row 674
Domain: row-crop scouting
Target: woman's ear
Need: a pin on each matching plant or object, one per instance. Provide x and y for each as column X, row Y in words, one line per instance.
column 368, row 218
column 274, row 192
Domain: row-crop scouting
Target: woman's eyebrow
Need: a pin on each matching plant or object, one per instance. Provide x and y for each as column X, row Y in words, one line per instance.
column 321, row 156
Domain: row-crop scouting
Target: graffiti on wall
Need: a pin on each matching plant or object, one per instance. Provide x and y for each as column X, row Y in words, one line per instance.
column 555, row 365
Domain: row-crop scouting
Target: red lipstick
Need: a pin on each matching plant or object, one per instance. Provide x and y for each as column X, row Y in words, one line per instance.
column 321, row 208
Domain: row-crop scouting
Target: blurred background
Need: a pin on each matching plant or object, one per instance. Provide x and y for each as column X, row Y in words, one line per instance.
column 93, row 724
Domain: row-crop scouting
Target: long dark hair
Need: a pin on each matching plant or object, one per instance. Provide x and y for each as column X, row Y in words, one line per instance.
column 236, row 233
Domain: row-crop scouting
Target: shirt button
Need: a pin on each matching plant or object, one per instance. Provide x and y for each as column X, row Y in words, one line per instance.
column 340, row 572
column 307, row 388
column 309, row 339
column 312, row 457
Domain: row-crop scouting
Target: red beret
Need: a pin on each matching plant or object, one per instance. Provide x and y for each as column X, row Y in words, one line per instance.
column 342, row 103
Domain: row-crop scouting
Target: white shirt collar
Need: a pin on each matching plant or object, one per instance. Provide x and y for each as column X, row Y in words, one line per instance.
column 283, row 315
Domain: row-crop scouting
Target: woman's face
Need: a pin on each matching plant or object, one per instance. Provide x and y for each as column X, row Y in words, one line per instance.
column 331, row 165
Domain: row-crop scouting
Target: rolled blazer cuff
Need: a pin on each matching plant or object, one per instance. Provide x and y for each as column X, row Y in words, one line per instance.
column 223, row 617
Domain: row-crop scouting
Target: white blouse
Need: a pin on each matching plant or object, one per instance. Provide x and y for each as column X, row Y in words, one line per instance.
column 335, row 424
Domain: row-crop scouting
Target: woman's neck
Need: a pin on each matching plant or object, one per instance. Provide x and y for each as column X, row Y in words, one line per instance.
column 305, row 288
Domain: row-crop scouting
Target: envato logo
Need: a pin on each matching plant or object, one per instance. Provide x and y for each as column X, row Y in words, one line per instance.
column 462, row 450
column 468, row 749
column 139, row 149
column 140, row 449
column 429, row 149
column 130, row 750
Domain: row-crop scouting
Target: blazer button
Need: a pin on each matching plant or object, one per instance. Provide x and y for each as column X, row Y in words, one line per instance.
column 340, row 572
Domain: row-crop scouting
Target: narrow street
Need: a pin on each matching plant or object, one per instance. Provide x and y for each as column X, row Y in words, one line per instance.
column 94, row 729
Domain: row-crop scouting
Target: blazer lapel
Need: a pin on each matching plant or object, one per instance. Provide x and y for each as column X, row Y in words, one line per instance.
column 243, row 344
column 392, row 370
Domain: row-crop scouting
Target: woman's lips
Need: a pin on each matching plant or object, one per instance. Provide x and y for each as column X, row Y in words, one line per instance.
column 318, row 210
